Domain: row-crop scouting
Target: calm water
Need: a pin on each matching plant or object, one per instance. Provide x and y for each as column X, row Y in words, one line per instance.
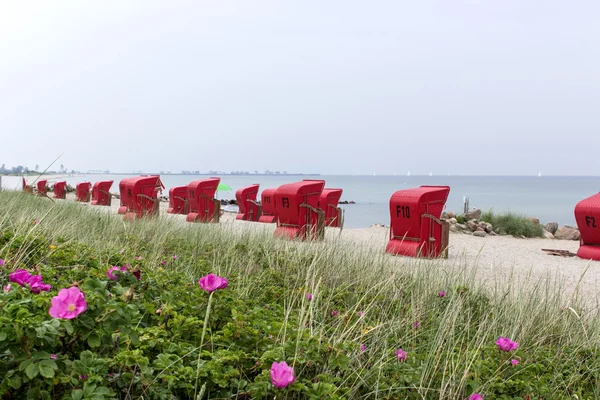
column 548, row 198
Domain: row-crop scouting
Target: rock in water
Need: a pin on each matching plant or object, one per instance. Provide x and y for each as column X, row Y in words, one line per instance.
column 551, row 227
column 567, row 233
column 475, row 214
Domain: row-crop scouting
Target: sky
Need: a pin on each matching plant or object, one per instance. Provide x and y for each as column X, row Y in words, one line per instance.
column 469, row 87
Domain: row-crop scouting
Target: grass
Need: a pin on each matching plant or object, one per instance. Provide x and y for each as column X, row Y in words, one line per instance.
column 265, row 316
column 512, row 224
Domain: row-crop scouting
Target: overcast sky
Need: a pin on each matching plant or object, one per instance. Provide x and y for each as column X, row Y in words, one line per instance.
column 325, row 86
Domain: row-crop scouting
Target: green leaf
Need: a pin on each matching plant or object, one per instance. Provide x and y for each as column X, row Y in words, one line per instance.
column 3, row 336
column 15, row 382
column 68, row 326
column 41, row 355
column 88, row 389
column 94, row 340
column 77, row 394
column 47, row 368
column 32, row 370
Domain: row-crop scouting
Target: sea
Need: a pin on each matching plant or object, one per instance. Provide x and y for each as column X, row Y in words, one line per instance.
column 549, row 198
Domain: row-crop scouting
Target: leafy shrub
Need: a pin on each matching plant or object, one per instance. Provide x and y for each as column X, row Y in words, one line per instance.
column 512, row 224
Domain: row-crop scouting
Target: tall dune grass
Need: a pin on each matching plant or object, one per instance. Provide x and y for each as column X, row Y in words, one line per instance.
column 449, row 340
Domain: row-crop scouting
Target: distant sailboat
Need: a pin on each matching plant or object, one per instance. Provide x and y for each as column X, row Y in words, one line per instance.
column 408, row 173
column 539, row 174
column 431, row 174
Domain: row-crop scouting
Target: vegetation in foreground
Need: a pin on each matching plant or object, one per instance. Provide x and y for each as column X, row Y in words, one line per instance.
column 512, row 224
column 275, row 319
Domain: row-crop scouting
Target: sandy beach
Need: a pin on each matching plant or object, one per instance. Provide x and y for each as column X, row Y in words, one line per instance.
column 494, row 256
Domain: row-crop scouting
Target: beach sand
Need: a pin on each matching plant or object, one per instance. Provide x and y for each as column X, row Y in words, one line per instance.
column 496, row 257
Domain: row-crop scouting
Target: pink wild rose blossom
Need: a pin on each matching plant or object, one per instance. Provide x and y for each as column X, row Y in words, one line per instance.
column 174, row 257
column 20, row 277
column 309, row 296
column 400, row 355
column 111, row 273
column 475, row 396
column 36, row 285
column 442, row 294
column 514, row 362
column 505, row 344
column 53, row 356
column 6, row 288
column 363, row 348
column 68, row 304
column 212, row 282
column 282, row 374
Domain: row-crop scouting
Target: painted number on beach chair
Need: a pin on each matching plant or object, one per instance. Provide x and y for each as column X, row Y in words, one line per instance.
column 268, row 200
column 590, row 222
column 285, row 202
column 403, row 211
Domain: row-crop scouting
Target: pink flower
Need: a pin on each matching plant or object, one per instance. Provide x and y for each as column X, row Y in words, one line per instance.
column 514, row 362
column 137, row 273
column 441, row 294
column 363, row 348
column 360, row 314
column 475, row 396
column 505, row 344
column 122, row 251
column 112, row 272
column 163, row 262
column 159, row 311
column 53, row 356
column 6, row 288
column 1, row 262
column 83, row 377
column 400, row 355
column 282, row 374
column 36, row 285
column 308, row 296
column 212, row 282
column 20, row 277
column 68, row 304
column 174, row 257
column 37, row 221
column 334, row 313
column 138, row 258
column 416, row 324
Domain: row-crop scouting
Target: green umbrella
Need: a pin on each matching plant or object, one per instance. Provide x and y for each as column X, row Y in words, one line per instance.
column 223, row 187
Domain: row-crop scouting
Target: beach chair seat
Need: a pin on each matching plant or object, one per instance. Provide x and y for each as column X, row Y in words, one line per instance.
column 267, row 209
column 27, row 188
column 298, row 213
column 249, row 208
column 139, row 197
column 59, row 190
column 82, row 192
column 328, row 202
column 101, row 193
column 203, row 207
column 42, row 188
column 587, row 216
column 178, row 200
column 416, row 229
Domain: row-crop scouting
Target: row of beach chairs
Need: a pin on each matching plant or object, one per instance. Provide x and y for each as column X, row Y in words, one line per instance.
column 302, row 210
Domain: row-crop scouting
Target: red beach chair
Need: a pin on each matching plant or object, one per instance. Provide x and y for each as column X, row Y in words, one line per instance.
column 268, row 212
column 27, row 188
column 59, row 190
column 82, row 192
column 298, row 212
column 42, row 187
column 140, row 196
column 101, row 193
column 587, row 215
column 328, row 202
column 203, row 206
column 178, row 200
column 250, row 210
column 416, row 229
